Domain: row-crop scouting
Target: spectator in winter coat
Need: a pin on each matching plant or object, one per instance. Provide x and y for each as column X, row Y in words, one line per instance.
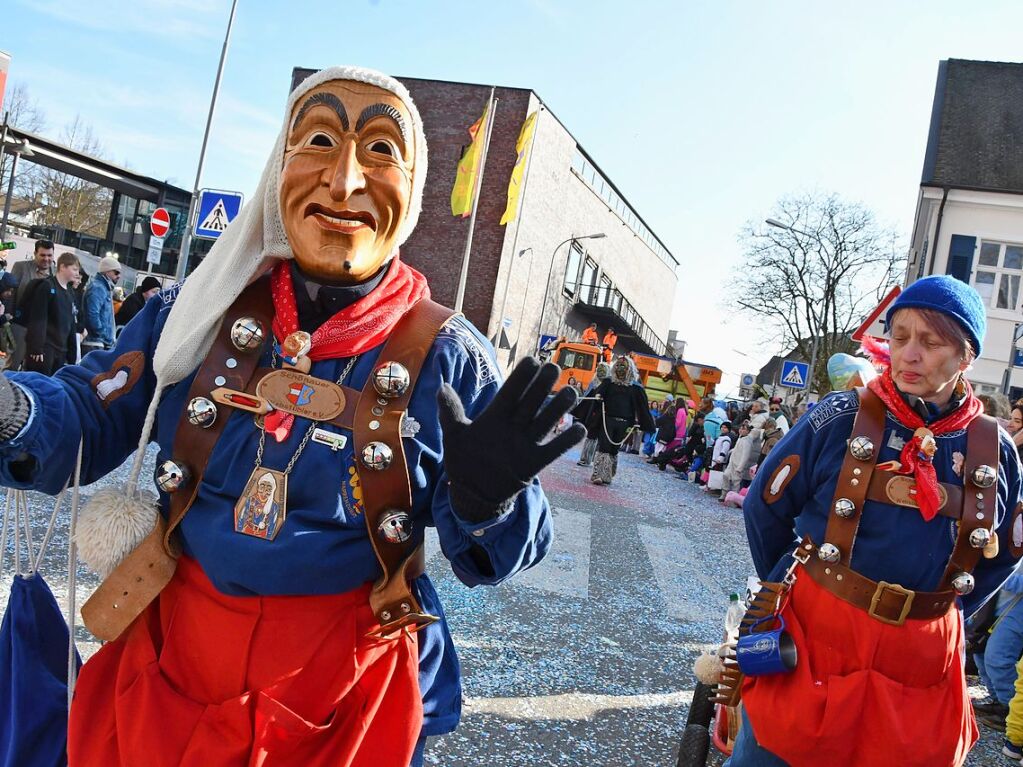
column 775, row 411
column 722, row 447
column 739, row 461
column 49, row 339
column 772, row 435
column 133, row 304
column 99, row 305
column 665, row 423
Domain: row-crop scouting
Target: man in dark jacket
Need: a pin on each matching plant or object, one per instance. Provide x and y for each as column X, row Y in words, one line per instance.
column 133, row 304
column 49, row 340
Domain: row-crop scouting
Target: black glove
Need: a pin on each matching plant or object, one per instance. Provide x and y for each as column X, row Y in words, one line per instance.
column 14, row 409
column 490, row 460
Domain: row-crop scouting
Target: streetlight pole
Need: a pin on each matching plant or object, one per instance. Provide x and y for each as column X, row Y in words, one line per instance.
column 186, row 237
column 816, row 333
column 554, row 253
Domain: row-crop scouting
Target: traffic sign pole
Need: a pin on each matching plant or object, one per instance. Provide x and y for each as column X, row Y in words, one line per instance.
column 186, row 238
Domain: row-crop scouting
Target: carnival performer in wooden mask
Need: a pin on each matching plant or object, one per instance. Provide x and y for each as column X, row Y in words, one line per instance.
column 879, row 521
column 314, row 413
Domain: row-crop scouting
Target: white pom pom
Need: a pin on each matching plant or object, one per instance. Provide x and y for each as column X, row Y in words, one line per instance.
column 708, row 668
column 111, row 525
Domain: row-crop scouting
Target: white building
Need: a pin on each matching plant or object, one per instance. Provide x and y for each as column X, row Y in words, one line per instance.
column 969, row 219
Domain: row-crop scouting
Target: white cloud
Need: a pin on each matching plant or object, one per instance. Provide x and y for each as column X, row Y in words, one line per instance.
column 180, row 20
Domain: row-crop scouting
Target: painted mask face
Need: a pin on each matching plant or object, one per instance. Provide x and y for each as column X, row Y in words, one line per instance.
column 346, row 179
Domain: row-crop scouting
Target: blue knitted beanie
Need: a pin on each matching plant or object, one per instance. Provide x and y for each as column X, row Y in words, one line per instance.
column 947, row 295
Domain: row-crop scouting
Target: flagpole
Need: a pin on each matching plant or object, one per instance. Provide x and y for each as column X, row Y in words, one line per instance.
column 518, row 224
column 464, row 274
column 186, row 236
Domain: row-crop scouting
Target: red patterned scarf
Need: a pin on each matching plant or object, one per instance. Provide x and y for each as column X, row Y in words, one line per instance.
column 359, row 326
column 913, row 459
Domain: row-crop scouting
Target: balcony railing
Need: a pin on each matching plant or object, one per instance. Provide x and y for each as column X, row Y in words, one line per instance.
column 609, row 299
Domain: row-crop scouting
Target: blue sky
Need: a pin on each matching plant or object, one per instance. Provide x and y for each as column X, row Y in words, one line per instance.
column 703, row 113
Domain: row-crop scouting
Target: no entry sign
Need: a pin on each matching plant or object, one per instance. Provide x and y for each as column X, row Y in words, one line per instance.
column 159, row 222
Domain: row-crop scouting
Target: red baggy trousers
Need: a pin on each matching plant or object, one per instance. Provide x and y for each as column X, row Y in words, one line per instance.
column 202, row 679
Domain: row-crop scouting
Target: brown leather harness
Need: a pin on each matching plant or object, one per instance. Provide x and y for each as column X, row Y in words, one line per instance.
column 972, row 505
column 125, row 593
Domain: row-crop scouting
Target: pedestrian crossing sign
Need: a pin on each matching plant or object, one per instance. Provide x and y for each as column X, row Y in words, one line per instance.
column 794, row 374
column 216, row 210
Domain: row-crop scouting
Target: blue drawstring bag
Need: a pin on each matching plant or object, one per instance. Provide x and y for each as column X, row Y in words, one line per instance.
column 33, row 677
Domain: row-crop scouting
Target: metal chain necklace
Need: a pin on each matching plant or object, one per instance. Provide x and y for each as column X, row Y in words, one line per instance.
column 262, row 507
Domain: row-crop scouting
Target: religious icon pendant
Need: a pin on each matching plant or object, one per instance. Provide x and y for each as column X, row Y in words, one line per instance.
column 262, row 507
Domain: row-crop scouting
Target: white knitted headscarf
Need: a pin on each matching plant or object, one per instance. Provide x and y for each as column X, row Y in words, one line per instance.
column 245, row 250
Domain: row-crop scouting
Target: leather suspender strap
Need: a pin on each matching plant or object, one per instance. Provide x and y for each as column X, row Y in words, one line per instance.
column 854, row 478
column 141, row 576
column 387, row 491
column 979, row 502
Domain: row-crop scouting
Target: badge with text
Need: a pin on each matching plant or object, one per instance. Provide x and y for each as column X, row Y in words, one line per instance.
column 261, row 510
column 302, row 395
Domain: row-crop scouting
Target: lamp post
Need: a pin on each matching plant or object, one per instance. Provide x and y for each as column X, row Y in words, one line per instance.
column 554, row 253
column 816, row 333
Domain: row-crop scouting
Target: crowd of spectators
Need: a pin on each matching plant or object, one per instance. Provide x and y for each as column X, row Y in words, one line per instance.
column 51, row 312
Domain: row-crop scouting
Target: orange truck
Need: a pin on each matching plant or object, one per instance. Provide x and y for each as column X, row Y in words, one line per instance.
column 660, row 376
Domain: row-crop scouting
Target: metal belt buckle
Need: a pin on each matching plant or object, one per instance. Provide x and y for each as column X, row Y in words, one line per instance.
column 410, row 622
column 875, row 600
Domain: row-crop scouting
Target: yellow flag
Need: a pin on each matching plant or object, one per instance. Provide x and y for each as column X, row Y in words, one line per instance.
column 518, row 172
column 468, row 168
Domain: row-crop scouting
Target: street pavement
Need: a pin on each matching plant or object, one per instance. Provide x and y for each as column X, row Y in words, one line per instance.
column 587, row 658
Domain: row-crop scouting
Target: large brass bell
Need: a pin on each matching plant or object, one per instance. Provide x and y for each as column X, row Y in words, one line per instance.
column 984, row 476
column 171, row 476
column 395, row 526
column 376, row 456
column 862, row 448
column 391, row 379
column 828, row 552
column 845, row 508
column 962, row 584
column 247, row 334
column 201, row 412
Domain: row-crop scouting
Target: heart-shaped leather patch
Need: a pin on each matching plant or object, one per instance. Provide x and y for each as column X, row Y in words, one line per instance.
column 120, row 379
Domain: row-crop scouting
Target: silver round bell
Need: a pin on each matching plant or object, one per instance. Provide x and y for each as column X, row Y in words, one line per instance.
column 984, row 476
column 862, row 448
column 980, row 537
column 828, row 552
column 171, row 476
column 962, row 584
column 845, row 508
column 377, row 456
column 391, row 379
column 247, row 334
column 201, row 412
column 395, row 526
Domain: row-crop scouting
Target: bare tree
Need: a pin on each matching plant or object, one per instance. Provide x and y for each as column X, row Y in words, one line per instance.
column 818, row 279
column 69, row 201
column 25, row 114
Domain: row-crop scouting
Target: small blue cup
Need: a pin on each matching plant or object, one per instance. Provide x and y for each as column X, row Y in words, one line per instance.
column 766, row 652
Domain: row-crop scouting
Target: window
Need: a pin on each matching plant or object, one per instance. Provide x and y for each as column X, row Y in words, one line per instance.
column 570, row 358
column 588, row 282
column 998, row 273
column 603, row 291
column 575, row 254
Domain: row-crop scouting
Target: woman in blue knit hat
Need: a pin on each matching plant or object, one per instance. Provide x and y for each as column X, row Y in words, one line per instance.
column 883, row 517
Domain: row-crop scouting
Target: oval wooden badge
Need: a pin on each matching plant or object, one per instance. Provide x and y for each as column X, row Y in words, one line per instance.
column 901, row 490
column 302, row 395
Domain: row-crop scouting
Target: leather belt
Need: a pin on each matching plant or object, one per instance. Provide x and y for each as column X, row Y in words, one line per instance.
column 887, row 602
column 886, row 487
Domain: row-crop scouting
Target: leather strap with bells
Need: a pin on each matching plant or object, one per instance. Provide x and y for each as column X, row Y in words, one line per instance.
column 383, row 473
column 141, row 576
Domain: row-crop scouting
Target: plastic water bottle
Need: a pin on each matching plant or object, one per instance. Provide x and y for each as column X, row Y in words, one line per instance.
column 733, row 617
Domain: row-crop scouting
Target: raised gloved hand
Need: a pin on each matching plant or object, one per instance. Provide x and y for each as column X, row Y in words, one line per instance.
column 490, row 460
column 14, row 409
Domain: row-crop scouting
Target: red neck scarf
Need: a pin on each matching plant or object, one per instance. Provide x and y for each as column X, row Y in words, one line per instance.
column 359, row 326
column 914, row 461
